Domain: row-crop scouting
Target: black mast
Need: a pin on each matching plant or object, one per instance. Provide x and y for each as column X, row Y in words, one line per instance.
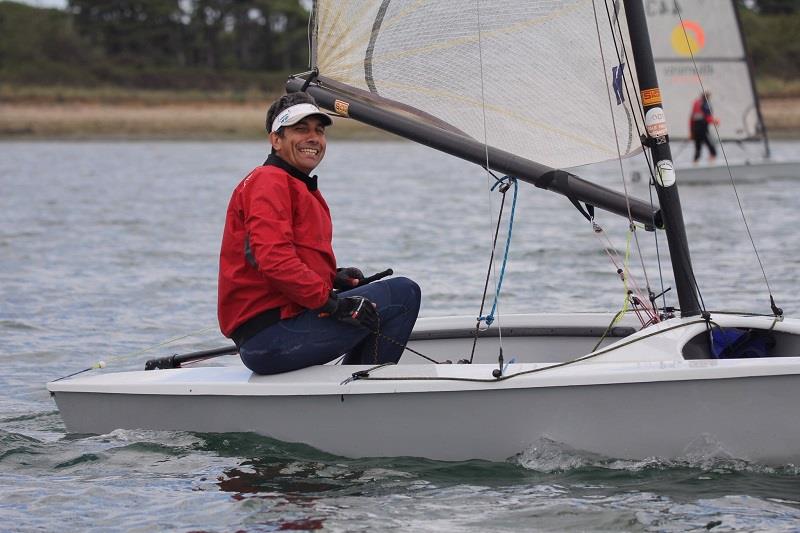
column 658, row 138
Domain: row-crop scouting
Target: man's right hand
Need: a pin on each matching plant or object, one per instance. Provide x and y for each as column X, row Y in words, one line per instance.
column 353, row 310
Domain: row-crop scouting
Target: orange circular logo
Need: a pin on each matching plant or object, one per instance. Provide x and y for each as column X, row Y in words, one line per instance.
column 688, row 38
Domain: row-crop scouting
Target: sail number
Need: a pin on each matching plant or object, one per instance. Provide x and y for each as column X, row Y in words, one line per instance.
column 655, row 8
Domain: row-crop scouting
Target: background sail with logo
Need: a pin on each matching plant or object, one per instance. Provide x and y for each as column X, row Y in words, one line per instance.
column 703, row 39
column 698, row 45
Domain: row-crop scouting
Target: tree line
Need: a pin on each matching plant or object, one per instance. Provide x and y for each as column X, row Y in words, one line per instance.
column 207, row 44
column 217, row 34
column 224, row 44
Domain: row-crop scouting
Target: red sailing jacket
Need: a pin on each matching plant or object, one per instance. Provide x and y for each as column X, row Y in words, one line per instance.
column 701, row 111
column 276, row 247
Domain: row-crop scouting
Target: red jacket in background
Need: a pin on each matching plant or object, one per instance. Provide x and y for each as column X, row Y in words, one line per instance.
column 276, row 246
column 701, row 112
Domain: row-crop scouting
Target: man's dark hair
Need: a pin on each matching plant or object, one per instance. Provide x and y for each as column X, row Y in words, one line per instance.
column 284, row 102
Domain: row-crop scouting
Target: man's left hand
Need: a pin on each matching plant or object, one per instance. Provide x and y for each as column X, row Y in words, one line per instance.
column 347, row 278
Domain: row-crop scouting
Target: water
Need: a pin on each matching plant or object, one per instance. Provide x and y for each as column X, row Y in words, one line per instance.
column 109, row 249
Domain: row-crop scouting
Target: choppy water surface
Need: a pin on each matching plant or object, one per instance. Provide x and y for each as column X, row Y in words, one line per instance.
column 109, row 249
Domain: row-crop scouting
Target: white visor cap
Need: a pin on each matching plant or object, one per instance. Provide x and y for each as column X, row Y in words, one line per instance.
column 294, row 114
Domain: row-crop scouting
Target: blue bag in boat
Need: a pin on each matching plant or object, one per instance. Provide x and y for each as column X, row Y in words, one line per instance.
column 735, row 343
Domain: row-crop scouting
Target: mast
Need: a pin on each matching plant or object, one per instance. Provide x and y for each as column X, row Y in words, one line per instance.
column 666, row 186
column 752, row 79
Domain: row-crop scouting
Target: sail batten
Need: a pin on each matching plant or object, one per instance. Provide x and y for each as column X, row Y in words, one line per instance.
column 526, row 77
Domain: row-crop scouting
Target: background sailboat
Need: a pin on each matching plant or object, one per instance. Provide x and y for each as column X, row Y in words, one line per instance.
column 698, row 45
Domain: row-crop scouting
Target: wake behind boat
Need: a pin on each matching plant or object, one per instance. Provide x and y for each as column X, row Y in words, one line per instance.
column 633, row 384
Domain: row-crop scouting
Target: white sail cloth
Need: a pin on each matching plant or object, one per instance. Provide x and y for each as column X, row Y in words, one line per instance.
column 525, row 76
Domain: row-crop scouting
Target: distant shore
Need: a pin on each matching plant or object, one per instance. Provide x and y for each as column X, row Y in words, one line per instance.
column 174, row 121
column 215, row 120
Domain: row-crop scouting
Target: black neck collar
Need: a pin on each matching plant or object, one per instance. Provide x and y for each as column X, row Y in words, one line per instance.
column 275, row 161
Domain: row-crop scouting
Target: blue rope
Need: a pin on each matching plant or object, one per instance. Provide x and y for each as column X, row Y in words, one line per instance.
column 490, row 317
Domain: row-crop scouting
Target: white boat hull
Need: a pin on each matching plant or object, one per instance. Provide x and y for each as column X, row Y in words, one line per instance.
column 749, row 418
column 743, row 172
column 652, row 405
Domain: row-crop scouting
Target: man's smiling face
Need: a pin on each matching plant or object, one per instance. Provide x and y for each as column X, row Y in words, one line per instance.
column 302, row 145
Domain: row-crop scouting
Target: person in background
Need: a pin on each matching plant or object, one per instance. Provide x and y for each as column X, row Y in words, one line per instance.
column 282, row 298
column 699, row 121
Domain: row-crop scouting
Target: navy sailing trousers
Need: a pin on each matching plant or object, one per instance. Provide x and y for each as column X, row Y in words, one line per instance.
column 700, row 136
column 307, row 339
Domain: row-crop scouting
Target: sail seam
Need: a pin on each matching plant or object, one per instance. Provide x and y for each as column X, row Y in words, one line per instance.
column 626, row 271
column 373, row 38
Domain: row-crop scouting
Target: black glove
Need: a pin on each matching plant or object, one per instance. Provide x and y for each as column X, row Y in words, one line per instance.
column 353, row 310
column 345, row 277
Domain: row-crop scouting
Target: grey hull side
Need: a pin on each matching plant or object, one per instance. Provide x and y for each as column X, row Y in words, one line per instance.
column 752, row 418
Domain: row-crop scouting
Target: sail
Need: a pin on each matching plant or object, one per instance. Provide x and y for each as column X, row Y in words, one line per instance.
column 712, row 38
column 541, row 79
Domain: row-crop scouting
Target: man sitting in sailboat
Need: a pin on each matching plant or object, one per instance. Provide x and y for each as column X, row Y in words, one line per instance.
column 281, row 298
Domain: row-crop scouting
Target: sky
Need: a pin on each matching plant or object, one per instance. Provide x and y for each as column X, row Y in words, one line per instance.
column 45, row 3
column 49, row 3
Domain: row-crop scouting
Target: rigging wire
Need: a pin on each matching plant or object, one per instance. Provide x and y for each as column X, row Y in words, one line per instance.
column 689, row 46
column 488, row 274
column 658, row 258
column 365, row 374
column 638, row 131
column 633, row 110
column 652, row 175
column 489, row 175
column 637, row 110
column 631, row 296
column 652, row 181
column 489, row 319
column 506, row 182
column 631, row 226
